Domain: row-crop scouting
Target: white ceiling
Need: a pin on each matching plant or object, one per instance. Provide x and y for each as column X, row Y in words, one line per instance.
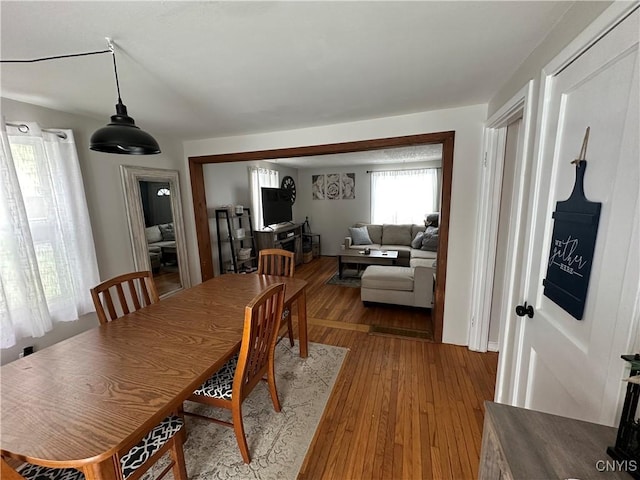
column 207, row 69
column 398, row 156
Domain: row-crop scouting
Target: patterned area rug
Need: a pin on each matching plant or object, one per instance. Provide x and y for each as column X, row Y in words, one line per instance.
column 278, row 442
column 350, row 278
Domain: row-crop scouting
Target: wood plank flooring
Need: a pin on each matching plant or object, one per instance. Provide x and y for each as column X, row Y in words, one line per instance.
column 401, row 408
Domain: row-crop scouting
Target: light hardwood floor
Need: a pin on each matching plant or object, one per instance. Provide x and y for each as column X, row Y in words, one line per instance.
column 401, row 408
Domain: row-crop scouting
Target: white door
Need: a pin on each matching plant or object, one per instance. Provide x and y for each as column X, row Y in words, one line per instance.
column 566, row 366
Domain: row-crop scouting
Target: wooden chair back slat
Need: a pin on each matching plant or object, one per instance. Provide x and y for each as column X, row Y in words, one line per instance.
column 140, row 289
column 261, row 325
column 133, row 293
column 276, row 261
column 124, row 306
column 110, row 305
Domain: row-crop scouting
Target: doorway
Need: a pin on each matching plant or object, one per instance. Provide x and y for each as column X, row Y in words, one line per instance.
column 513, row 147
column 444, row 138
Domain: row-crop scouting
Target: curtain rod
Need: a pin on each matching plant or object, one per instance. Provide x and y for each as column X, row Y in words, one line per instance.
column 405, row 169
column 25, row 128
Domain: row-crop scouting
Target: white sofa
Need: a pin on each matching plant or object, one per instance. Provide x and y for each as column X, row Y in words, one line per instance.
column 411, row 281
column 160, row 237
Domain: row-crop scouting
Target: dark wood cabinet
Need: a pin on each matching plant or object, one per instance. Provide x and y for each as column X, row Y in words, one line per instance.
column 286, row 237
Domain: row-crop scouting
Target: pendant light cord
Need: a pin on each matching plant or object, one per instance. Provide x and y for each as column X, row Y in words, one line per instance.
column 115, row 69
column 56, row 57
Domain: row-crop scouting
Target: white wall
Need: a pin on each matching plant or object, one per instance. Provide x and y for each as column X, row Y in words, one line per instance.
column 332, row 218
column 228, row 184
column 467, row 122
column 568, row 27
column 105, row 199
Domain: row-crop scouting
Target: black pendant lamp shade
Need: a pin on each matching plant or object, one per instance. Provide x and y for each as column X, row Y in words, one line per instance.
column 122, row 135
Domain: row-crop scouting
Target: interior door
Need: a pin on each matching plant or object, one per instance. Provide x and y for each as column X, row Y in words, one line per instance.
column 566, row 366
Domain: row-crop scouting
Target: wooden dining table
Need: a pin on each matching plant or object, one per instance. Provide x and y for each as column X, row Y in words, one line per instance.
column 80, row 401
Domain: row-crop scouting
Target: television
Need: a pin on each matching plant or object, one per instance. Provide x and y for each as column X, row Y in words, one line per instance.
column 276, row 206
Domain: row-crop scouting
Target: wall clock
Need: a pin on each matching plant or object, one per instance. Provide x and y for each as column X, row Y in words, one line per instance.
column 289, row 184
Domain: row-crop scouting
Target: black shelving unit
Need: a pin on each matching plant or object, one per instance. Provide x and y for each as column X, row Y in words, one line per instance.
column 229, row 243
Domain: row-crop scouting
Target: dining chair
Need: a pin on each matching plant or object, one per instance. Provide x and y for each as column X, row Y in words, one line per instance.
column 276, row 261
column 230, row 385
column 169, row 435
column 134, row 461
column 7, row 472
column 140, row 291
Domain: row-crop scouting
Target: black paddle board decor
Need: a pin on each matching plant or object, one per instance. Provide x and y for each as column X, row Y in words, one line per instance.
column 572, row 244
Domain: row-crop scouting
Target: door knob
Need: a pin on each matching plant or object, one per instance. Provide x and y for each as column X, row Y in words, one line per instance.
column 522, row 310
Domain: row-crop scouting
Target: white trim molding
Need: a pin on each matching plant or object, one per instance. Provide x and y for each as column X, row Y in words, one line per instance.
column 489, row 211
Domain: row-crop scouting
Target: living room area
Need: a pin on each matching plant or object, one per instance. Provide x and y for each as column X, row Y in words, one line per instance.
column 398, row 187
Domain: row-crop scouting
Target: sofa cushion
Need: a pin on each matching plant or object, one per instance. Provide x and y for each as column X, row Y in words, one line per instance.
column 153, row 234
column 396, row 234
column 388, row 278
column 415, row 253
column 360, row 235
column 375, row 231
column 423, row 262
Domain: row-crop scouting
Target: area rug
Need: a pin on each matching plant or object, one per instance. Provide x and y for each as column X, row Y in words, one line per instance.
column 350, row 278
column 278, row 442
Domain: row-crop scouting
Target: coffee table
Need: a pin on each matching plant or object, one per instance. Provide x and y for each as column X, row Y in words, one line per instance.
column 358, row 257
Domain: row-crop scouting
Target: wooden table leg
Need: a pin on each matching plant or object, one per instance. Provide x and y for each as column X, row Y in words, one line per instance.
column 302, row 324
column 105, row 470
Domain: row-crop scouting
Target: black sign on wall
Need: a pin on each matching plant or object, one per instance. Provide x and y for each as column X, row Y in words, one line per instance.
column 572, row 245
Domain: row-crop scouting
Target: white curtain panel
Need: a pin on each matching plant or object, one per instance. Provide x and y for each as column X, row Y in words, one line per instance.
column 258, row 178
column 47, row 254
column 404, row 196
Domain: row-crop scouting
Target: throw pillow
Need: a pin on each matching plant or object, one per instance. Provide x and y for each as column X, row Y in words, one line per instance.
column 417, row 241
column 153, row 234
column 430, row 240
column 360, row 235
column 167, row 231
column 432, row 220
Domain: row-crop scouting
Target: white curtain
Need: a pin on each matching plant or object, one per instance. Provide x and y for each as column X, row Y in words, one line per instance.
column 47, row 254
column 258, row 178
column 404, row 196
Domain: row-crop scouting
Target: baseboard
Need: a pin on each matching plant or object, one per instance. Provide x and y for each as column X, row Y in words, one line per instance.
column 492, row 346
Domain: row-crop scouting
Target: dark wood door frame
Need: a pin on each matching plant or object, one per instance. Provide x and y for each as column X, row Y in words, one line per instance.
column 444, row 138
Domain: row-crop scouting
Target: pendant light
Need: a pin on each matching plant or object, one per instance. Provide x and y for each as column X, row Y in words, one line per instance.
column 122, row 135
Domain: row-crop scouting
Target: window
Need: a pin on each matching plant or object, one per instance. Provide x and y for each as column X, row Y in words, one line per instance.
column 47, row 255
column 258, row 178
column 404, row 196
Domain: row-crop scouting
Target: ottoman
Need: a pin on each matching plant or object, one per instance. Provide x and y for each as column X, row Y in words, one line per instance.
column 154, row 259
column 387, row 284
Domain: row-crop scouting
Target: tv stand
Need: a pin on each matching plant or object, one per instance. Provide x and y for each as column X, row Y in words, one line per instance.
column 286, row 237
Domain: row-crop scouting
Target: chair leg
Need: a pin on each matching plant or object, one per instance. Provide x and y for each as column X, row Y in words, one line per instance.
column 290, row 329
column 238, row 427
column 177, row 455
column 183, row 432
column 273, row 391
